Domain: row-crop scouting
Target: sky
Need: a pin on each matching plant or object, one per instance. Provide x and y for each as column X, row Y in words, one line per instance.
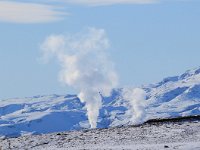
column 149, row 40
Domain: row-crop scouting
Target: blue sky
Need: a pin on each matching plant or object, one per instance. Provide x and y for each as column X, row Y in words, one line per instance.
column 150, row 39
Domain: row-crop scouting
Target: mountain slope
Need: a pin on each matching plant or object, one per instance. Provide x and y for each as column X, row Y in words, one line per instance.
column 172, row 97
column 175, row 96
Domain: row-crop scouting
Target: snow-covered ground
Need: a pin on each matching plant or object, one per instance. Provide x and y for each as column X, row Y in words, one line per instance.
column 184, row 135
column 172, row 97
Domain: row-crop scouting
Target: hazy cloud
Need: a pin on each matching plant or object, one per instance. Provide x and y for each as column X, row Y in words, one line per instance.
column 109, row 2
column 21, row 12
column 40, row 11
column 86, row 66
column 137, row 99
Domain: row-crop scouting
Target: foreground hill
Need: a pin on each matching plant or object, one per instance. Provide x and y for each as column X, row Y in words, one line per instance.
column 173, row 97
column 182, row 133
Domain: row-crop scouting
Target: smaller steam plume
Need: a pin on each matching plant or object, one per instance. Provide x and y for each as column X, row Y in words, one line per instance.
column 85, row 66
column 136, row 97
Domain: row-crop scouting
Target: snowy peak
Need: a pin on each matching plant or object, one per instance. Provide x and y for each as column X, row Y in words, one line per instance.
column 190, row 73
column 190, row 76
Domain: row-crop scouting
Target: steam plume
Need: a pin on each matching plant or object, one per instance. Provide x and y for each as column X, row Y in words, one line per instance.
column 85, row 66
column 136, row 97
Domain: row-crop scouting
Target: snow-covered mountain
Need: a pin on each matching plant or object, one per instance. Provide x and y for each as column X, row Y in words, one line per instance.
column 172, row 97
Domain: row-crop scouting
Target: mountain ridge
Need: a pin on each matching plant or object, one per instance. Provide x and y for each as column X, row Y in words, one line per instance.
column 172, row 97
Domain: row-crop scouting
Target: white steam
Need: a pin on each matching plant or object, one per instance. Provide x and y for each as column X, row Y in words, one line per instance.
column 136, row 97
column 85, row 66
